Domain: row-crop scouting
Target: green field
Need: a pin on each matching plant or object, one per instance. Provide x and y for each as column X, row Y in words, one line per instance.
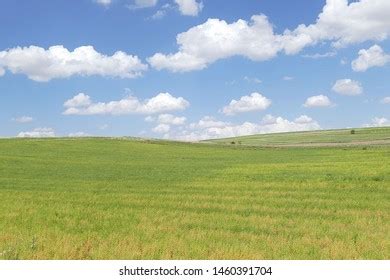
column 341, row 137
column 133, row 199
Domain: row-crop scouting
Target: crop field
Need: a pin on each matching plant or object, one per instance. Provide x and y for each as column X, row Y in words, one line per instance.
column 340, row 137
column 101, row 198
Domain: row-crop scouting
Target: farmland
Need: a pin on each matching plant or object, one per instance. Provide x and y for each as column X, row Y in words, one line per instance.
column 101, row 198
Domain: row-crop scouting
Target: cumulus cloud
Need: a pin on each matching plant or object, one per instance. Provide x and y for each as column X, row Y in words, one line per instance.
column 163, row 102
column 343, row 23
column 340, row 22
column 171, row 119
column 207, row 122
column 348, row 87
column 38, row 133
column 378, row 122
column 23, row 119
column 162, row 128
column 386, row 100
column 58, row 62
column 80, row 100
column 216, row 39
column 165, row 122
column 318, row 101
column 253, row 102
column 189, row 7
column 372, row 57
column 211, row 128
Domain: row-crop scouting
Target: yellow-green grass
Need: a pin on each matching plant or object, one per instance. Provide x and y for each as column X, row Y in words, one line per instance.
column 126, row 199
column 358, row 136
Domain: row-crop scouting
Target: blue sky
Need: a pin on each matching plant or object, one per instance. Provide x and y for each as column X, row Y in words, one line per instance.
column 190, row 69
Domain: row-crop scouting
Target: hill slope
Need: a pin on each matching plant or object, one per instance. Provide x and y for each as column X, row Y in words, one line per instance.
column 342, row 137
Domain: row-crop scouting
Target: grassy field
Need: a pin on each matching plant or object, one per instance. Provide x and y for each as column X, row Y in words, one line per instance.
column 341, row 137
column 126, row 199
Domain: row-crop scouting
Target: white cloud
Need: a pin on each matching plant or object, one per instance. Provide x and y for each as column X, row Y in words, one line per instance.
column 207, row 122
column 80, row 100
column 348, row 87
column 303, row 120
column 189, row 7
column 340, row 22
column 269, row 124
column 216, row 39
column 58, row 62
column 372, row 57
column 141, row 4
column 23, row 119
column 252, row 80
column 253, row 102
column 343, row 23
column 288, row 78
column 79, row 134
column 320, row 55
column 171, row 119
column 105, row 3
column 162, row 128
column 386, row 100
column 163, row 102
column 37, row 133
column 159, row 14
column 378, row 122
column 318, row 101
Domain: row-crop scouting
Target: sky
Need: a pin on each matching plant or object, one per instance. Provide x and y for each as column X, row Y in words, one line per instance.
column 190, row 69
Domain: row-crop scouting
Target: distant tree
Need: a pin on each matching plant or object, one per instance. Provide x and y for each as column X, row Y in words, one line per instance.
column 233, row 143
column 353, row 131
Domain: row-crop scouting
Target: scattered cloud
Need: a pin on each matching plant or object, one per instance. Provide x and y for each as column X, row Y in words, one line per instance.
column 162, row 128
column 209, row 128
column 252, row 80
column 162, row 12
column 320, row 55
column 80, row 100
column 159, row 15
column 163, row 102
column 342, row 23
column 171, row 119
column 288, row 78
column 207, row 122
column 23, row 119
column 372, row 57
column 378, row 122
column 38, row 133
column 348, row 87
column 104, row 3
column 165, row 122
column 189, row 7
column 58, row 62
column 248, row 103
column 141, row 4
column 386, row 100
column 318, row 101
